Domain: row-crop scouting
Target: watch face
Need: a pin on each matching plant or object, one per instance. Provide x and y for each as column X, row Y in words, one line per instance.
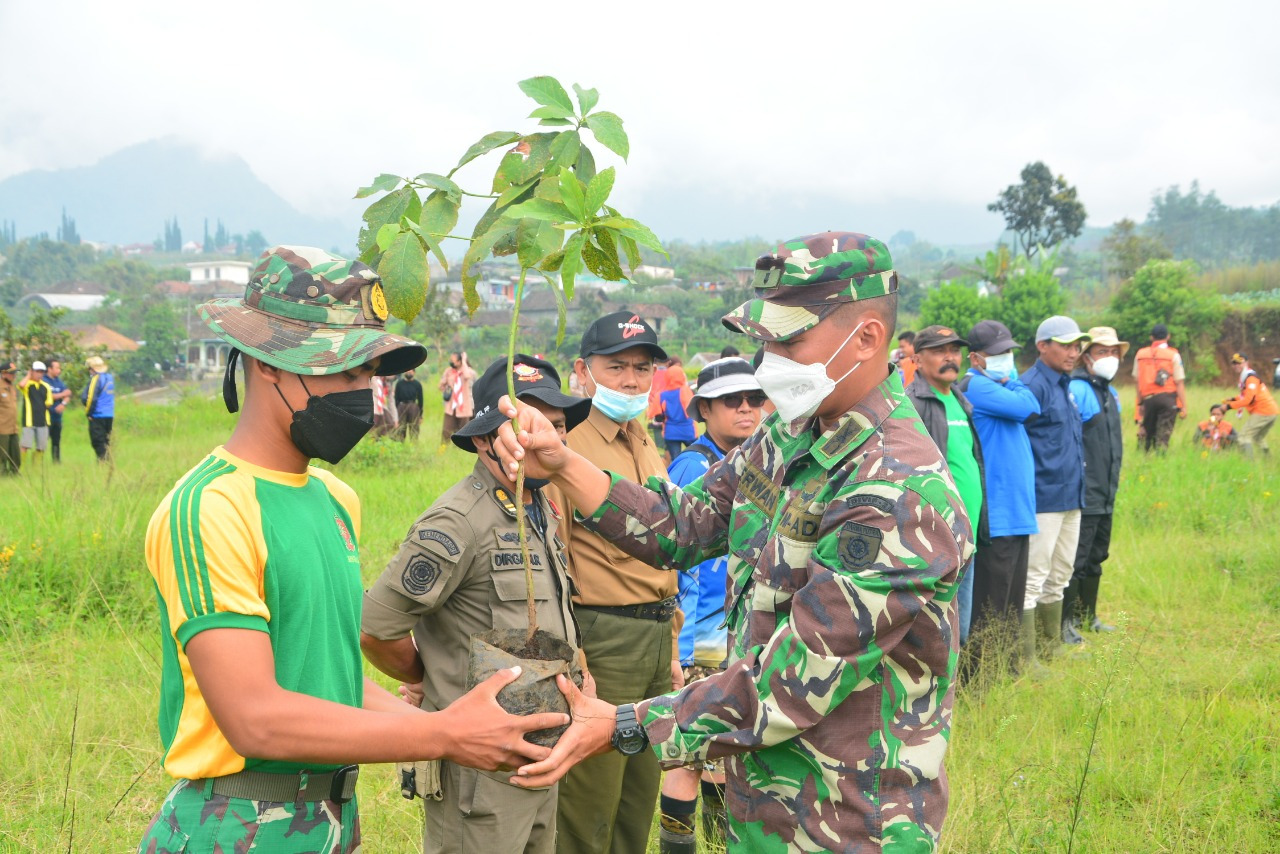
column 631, row 741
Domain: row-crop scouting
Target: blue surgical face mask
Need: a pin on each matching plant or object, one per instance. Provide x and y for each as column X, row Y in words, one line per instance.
column 1001, row 367
column 615, row 405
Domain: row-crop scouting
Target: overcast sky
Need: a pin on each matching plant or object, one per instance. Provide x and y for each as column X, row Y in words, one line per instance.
column 745, row 118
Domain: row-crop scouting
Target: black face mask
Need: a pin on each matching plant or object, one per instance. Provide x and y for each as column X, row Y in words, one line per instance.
column 529, row 482
column 330, row 426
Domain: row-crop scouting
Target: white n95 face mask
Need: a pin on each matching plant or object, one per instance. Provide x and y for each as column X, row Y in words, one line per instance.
column 798, row 390
column 1106, row 367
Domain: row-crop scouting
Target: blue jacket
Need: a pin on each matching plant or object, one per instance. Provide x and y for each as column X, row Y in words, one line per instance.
column 1057, row 442
column 704, row 639
column 102, row 387
column 676, row 422
column 58, row 386
column 999, row 413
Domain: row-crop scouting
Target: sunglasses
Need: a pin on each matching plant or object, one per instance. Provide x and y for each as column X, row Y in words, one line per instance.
column 755, row 399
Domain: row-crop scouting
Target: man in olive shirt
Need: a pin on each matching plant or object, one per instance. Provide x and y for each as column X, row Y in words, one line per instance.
column 624, row 606
column 460, row 572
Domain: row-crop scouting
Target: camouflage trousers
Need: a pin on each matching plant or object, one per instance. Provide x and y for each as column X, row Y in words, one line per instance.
column 189, row 823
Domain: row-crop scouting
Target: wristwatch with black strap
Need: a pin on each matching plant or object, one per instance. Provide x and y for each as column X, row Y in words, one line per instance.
column 629, row 738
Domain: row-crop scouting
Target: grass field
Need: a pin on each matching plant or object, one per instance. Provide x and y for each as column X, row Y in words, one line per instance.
column 1163, row 738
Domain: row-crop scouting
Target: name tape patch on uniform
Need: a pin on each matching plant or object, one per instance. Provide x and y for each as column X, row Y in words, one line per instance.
column 879, row 502
column 442, row 538
column 420, row 575
column 859, row 545
column 759, row 489
column 515, row 560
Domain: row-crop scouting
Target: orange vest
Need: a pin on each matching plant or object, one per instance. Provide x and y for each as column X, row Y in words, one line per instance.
column 1155, row 370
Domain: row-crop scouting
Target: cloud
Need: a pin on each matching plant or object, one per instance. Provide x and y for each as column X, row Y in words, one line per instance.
column 917, row 114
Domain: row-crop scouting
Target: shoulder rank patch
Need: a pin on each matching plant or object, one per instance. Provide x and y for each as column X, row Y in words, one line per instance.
column 442, row 538
column 879, row 502
column 420, row 575
column 859, row 545
column 503, row 498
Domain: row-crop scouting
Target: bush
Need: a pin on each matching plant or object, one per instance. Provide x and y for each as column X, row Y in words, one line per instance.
column 1164, row 292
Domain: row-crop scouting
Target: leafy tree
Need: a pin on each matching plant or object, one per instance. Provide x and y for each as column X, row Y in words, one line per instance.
column 1163, row 291
column 39, row 263
column 41, row 338
column 1031, row 294
column 254, row 243
column 220, row 236
column 548, row 209
column 8, row 234
column 1126, row 249
column 67, row 230
column 1041, row 211
column 956, row 305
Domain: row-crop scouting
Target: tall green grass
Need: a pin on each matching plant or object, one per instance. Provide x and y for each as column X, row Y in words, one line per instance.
column 1174, row 717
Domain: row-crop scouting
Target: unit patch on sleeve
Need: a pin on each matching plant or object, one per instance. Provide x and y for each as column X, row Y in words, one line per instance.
column 884, row 505
column 420, row 575
column 859, row 545
column 442, row 538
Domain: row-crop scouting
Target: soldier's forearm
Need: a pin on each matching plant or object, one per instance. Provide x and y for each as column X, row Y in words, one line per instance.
column 585, row 485
column 396, row 658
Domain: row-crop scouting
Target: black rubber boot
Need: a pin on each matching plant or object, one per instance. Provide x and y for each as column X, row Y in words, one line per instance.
column 1089, row 599
column 675, row 826
column 1071, row 613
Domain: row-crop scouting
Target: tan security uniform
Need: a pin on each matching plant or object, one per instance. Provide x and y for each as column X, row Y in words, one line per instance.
column 460, row 572
column 607, row 803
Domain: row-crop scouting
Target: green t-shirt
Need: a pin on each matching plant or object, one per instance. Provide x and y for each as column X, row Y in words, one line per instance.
column 960, row 458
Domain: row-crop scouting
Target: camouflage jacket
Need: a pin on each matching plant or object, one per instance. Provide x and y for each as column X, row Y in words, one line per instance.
column 845, row 550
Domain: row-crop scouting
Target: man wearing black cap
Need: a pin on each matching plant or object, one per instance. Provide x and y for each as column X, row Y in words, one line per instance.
column 1001, row 407
column 948, row 417
column 624, row 607
column 1162, row 390
column 460, row 572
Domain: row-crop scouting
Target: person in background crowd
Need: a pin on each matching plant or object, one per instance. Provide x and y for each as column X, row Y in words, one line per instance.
column 1057, row 444
column 729, row 351
column 906, row 357
column 847, row 537
column 10, row 446
column 255, row 554
column 1215, row 433
column 678, row 429
column 728, row 402
column 455, row 385
column 654, row 412
column 37, row 400
column 627, row 612
column 61, row 394
column 458, row 573
column 408, row 398
column 948, row 417
column 1002, row 405
column 1257, row 401
column 99, row 399
column 1103, row 436
column 384, row 409
column 1161, row 388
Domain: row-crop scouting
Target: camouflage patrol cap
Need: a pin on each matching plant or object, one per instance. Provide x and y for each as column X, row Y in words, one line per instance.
column 308, row 312
column 807, row 278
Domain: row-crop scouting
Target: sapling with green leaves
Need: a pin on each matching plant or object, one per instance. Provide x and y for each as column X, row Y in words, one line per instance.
column 548, row 206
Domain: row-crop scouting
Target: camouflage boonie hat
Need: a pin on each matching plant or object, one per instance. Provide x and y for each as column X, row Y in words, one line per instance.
column 308, row 312
column 805, row 279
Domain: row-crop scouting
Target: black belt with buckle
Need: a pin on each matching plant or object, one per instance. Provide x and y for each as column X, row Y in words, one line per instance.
column 339, row 785
column 661, row 612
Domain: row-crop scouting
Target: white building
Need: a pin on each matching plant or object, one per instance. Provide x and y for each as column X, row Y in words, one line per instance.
column 236, row 272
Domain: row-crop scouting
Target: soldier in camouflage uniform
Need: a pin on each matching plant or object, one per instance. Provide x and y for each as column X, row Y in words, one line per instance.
column 846, row 536
column 263, row 705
